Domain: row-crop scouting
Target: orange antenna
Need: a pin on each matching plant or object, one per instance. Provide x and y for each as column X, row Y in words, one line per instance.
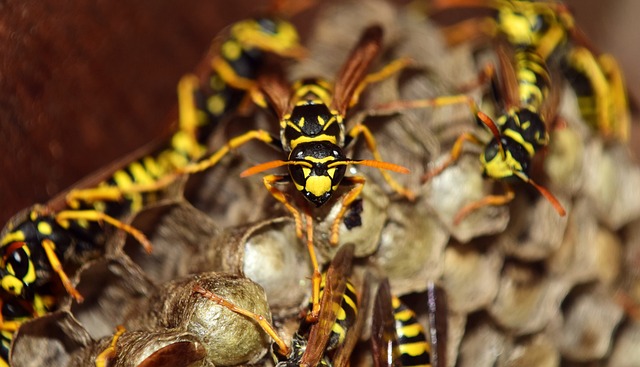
column 546, row 193
column 372, row 163
column 270, row 165
column 488, row 122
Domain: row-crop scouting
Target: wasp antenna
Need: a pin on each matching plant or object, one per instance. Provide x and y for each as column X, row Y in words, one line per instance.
column 488, row 122
column 269, row 165
column 262, row 167
column 546, row 193
column 375, row 164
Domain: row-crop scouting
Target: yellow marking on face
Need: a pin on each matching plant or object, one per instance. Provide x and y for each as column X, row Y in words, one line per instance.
column 45, row 228
column 12, row 284
column 318, row 185
column 13, row 237
column 501, row 168
column 231, row 50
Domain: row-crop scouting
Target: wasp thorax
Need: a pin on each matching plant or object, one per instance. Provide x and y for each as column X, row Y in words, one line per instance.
column 319, row 171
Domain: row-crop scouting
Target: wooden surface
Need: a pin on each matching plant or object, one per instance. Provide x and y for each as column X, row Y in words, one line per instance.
column 84, row 82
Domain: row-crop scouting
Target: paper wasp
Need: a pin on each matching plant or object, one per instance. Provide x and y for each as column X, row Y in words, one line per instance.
column 550, row 29
column 35, row 246
column 16, row 311
column 231, row 68
column 398, row 339
column 328, row 342
column 519, row 132
column 312, row 134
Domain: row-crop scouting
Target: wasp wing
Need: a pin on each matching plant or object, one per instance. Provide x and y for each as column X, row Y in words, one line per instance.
column 335, row 284
column 343, row 353
column 355, row 68
column 384, row 340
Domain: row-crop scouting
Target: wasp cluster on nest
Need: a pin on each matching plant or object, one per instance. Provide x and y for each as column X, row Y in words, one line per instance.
column 524, row 285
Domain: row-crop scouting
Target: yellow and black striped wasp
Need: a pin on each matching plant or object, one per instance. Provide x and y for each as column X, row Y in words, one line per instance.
column 520, row 131
column 16, row 311
column 398, row 339
column 549, row 27
column 329, row 341
column 312, row 133
column 39, row 244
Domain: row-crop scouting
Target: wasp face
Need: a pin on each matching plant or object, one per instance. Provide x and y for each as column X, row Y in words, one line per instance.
column 499, row 166
column 319, row 173
column 18, row 271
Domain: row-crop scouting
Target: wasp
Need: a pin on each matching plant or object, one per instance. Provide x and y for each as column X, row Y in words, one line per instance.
column 34, row 247
column 520, row 131
column 312, row 133
column 398, row 339
column 330, row 341
column 14, row 312
column 550, row 29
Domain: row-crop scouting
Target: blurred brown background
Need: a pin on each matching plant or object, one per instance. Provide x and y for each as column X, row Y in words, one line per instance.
column 84, row 83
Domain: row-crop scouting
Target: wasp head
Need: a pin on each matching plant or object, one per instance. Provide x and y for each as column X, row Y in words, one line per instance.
column 318, row 171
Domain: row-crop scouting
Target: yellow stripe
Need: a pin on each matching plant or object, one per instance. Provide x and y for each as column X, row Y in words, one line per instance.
column 414, row 349
column 411, row 330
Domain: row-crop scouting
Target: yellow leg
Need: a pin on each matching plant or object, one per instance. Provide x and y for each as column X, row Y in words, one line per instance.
column 493, row 200
column 49, row 249
column 264, row 324
column 96, row 216
column 390, row 69
column 109, row 353
column 371, row 144
column 269, row 183
column 454, row 155
column 316, row 277
column 347, row 199
column 231, row 144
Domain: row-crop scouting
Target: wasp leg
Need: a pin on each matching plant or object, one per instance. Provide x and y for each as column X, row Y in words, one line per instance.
column 316, row 279
column 269, row 183
column 109, row 353
column 454, row 155
column 49, row 249
column 390, row 69
column 493, row 200
column 371, row 144
column 347, row 199
column 97, row 216
column 231, row 144
column 264, row 324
